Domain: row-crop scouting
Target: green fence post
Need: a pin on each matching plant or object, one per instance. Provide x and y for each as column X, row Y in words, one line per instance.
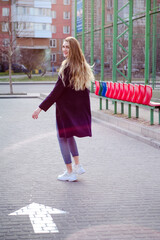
column 106, row 104
column 147, row 40
column 83, row 28
column 92, row 37
column 137, row 111
column 130, row 41
column 122, row 108
column 115, row 30
column 75, row 12
column 151, row 116
column 100, row 103
column 154, row 44
column 102, row 40
column 92, row 32
column 128, row 23
column 129, row 110
column 115, row 107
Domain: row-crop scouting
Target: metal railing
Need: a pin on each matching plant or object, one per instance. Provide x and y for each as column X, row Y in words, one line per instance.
column 152, row 9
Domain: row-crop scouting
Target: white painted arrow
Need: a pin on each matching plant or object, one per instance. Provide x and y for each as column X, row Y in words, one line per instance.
column 40, row 217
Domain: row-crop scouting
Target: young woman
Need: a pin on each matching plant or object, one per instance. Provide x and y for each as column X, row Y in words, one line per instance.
column 73, row 114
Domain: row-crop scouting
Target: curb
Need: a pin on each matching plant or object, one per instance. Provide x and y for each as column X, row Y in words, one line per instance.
column 28, row 83
column 21, row 95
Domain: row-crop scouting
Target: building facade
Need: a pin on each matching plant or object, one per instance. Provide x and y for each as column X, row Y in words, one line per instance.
column 5, row 14
column 32, row 26
column 61, row 28
column 36, row 25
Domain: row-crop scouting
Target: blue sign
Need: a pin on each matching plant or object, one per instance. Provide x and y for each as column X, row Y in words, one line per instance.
column 79, row 15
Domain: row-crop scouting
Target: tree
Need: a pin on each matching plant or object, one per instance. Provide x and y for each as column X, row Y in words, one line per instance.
column 7, row 49
column 32, row 59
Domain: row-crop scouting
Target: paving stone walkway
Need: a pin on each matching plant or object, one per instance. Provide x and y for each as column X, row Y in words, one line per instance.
column 116, row 199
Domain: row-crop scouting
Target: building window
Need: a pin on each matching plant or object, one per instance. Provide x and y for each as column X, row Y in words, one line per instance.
column 53, row 57
column 29, row 11
column 6, row 42
column 53, row 29
column 23, row 10
column 40, row 12
column 19, row 10
column 42, row 27
column 109, row 32
column 36, row 12
column 66, row 29
column 16, row 26
column 4, row 58
column 109, row 17
column 53, row 43
column 108, row 59
column 66, row 15
column 66, row 2
column 109, row 45
column 54, row 1
column 5, row 27
column 29, row 26
column 54, row 14
column 20, row 26
column 5, row 12
column 47, row 12
column 109, row 4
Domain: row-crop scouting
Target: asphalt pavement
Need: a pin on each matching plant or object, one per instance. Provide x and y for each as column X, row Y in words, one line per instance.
column 116, row 199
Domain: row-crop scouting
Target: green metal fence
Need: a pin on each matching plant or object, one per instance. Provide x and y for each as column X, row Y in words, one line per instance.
column 121, row 38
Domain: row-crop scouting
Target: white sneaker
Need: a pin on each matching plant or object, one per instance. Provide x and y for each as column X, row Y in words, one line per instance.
column 71, row 177
column 78, row 169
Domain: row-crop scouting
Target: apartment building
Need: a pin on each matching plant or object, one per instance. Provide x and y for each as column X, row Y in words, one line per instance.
column 32, row 25
column 5, row 12
column 37, row 25
column 61, row 28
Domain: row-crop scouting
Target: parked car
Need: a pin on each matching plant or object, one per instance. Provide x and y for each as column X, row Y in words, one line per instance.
column 16, row 68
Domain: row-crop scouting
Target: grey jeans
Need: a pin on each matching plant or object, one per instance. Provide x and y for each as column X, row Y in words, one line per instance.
column 68, row 147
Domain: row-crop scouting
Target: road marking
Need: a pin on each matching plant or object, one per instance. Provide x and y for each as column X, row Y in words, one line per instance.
column 40, row 217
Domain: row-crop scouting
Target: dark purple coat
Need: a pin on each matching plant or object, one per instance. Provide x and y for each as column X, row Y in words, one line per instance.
column 73, row 114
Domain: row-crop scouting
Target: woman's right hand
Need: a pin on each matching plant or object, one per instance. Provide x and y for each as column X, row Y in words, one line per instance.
column 36, row 113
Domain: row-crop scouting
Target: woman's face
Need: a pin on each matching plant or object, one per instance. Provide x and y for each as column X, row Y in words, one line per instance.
column 65, row 49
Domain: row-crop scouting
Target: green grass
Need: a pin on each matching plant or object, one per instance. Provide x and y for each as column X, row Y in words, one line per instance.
column 34, row 78
column 48, row 78
column 6, row 74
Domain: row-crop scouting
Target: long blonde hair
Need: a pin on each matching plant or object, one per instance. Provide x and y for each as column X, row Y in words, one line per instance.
column 81, row 73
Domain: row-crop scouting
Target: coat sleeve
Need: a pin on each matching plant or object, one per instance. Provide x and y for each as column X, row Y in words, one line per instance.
column 53, row 96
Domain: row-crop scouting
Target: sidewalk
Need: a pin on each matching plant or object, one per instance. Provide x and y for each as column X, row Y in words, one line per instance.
column 137, row 128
